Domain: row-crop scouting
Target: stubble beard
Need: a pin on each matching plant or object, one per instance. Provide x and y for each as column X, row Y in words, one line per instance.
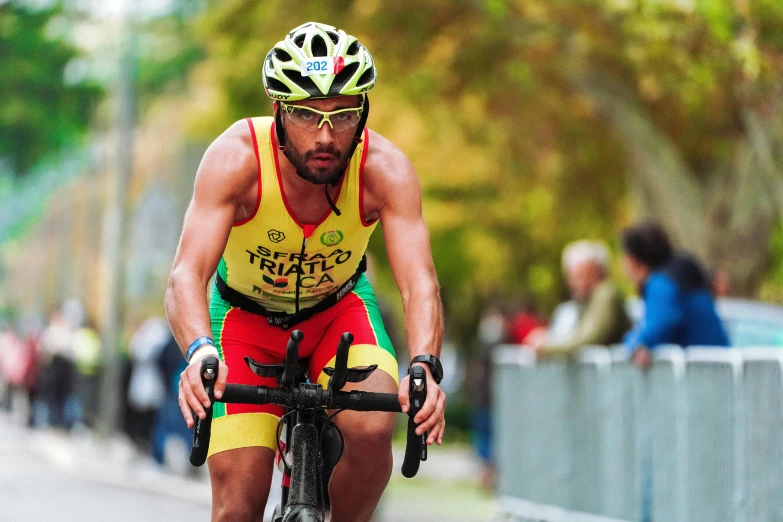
column 318, row 176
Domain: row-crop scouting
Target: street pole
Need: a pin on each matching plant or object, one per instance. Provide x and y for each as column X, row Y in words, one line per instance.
column 114, row 231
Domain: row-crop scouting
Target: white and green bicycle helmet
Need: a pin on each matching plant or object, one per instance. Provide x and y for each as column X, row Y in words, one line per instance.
column 317, row 61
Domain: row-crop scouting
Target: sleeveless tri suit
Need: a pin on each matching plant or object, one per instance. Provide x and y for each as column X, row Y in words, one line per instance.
column 277, row 274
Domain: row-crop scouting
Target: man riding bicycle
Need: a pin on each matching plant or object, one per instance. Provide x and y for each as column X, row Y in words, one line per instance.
column 283, row 208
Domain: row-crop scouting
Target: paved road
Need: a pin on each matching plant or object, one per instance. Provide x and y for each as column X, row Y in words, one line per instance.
column 51, row 476
column 34, row 489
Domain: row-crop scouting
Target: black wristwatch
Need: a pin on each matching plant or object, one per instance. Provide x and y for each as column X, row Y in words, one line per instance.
column 433, row 362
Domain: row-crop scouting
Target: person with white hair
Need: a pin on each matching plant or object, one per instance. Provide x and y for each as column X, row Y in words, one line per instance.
column 600, row 318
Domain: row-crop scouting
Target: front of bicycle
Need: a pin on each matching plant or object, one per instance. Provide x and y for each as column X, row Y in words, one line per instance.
column 305, row 497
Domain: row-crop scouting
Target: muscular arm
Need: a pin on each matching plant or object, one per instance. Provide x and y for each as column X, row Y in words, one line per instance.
column 410, row 258
column 227, row 168
column 221, row 184
column 396, row 190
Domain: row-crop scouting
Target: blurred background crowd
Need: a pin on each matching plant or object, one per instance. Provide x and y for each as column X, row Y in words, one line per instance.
column 581, row 162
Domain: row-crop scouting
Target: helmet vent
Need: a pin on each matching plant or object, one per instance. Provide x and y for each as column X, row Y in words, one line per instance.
column 276, row 85
column 353, row 48
column 318, row 46
column 334, row 36
column 282, row 55
column 343, row 76
column 302, row 81
column 299, row 40
column 366, row 78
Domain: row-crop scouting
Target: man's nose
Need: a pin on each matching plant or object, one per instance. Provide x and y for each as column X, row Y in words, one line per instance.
column 324, row 135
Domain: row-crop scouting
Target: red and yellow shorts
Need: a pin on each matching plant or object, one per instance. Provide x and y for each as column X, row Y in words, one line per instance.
column 238, row 333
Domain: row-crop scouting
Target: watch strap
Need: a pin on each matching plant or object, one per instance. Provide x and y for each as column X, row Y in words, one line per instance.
column 430, row 360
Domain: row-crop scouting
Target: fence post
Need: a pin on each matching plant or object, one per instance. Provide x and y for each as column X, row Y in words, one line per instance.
column 763, row 420
column 663, row 437
column 715, row 435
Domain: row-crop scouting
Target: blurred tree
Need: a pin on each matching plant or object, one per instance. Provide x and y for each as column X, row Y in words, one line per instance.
column 46, row 105
column 530, row 123
column 168, row 50
column 695, row 97
column 501, row 151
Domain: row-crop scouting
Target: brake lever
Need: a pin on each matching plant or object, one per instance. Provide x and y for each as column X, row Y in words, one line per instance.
column 203, row 427
column 418, row 394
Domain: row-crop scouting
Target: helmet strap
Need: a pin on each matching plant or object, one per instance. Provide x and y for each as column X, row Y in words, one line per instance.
column 329, row 199
column 357, row 138
column 281, row 138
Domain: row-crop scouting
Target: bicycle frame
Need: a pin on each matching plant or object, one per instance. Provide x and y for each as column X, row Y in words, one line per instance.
column 302, row 497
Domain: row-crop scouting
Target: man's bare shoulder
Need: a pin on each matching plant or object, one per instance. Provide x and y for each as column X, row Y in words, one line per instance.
column 230, row 161
column 389, row 177
column 386, row 163
column 233, row 151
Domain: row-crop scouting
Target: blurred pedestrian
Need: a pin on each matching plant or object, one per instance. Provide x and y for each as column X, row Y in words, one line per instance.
column 602, row 319
column 491, row 331
column 31, row 337
column 13, row 366
column 678, row 304
column 169, row 421
column 57, row 371
column 87, row 356
column 146, row 389
column 523, row 322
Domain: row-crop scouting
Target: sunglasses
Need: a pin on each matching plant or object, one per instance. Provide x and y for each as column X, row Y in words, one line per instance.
column 313, row 119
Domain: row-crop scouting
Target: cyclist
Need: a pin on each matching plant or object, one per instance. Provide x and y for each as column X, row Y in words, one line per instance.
column 283, row 208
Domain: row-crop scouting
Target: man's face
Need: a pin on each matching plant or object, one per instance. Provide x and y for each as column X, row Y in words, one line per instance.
column 636, row 270
column 319, row 155
column 583, row 278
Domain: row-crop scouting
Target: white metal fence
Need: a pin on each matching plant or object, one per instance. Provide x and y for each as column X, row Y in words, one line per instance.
column 698, row 438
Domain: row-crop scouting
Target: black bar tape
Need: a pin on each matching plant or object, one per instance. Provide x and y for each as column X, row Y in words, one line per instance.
column 410, row 466
column 365, row 401
column 203, row 428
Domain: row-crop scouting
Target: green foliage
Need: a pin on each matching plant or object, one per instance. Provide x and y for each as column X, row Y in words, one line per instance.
column 40, row 111
column 531, row 121
column 168, row 51
column 772, row 288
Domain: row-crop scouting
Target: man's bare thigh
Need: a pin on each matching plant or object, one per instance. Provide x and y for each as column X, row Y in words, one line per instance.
column 363, row 421
column 241, row 480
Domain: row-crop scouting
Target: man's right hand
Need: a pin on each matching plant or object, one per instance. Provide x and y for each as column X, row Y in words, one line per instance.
column 192, row 395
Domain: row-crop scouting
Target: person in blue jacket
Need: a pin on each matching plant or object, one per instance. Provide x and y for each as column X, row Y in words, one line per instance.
column 678, row 306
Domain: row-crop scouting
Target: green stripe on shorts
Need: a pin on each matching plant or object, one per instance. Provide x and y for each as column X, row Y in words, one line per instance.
column 365, row 292
column 218, row 311
column 223, row 269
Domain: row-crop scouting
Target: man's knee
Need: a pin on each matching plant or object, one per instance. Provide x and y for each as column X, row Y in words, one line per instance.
column 240, row 483
column 239, row 510
column 369, row 431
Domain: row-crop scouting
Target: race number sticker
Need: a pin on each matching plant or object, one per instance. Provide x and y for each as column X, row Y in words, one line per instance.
column 322, row 66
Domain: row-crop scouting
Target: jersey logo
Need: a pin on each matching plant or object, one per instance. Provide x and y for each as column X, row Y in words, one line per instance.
column 280, row 282
column 275, row 236
column 331, row 238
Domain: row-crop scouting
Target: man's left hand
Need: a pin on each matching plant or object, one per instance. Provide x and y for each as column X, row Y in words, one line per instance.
column 642, row 358
column 432, row 416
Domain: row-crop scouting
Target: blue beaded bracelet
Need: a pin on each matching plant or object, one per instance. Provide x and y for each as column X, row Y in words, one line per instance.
column 195, row 345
